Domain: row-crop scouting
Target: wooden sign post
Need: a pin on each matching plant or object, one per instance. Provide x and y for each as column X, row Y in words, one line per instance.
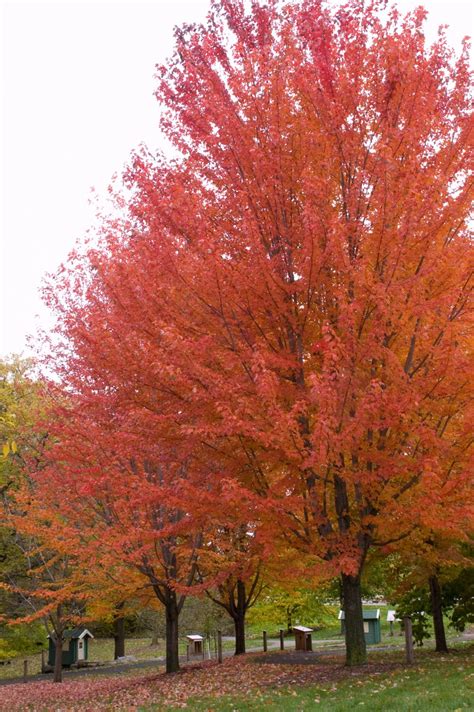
column 282, row 640
column 219, row 646
column 410, row 656
column 264, row 641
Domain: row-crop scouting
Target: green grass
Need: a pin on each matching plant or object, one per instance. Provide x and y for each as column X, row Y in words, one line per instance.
column 15, row 668
column 100, row 650
column 436, row 684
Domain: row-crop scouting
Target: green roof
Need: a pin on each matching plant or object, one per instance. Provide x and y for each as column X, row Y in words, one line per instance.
column 371, row 615
column 367, row 615
column 75, row 633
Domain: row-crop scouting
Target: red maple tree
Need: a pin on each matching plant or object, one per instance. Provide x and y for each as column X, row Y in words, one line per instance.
column 291, row 295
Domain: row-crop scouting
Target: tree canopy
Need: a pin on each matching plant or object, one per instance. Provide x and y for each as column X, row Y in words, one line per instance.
column 281, row 316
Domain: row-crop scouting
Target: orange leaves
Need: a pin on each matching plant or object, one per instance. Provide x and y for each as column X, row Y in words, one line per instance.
column 284, row 308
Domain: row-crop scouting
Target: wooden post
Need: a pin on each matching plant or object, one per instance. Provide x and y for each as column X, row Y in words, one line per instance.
column 282, row 640
column 409, row 641
column 187, row 652
column 25, row 670
column 264, row 641
column 219, row 646
column 391, row 628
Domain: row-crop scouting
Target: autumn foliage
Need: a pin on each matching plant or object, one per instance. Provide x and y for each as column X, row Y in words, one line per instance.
column 281, row 315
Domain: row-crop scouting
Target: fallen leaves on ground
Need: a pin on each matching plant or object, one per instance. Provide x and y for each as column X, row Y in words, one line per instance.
column 234, row 676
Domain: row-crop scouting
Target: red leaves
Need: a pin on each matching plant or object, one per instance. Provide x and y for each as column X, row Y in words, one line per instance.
column 286, row 307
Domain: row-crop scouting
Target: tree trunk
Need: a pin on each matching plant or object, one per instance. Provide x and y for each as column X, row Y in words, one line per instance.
column 239, row 619
column 437, row 609
column 172, row 648
column 356, row 652
column 239, row 626
column 119, row 637
column 58, row 660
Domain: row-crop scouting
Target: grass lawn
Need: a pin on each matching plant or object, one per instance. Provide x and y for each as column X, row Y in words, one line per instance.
column 100, row 650
column 435, row 684
column 255, row 682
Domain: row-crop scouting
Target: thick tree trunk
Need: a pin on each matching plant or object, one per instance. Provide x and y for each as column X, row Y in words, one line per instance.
column 119, row 637
column 172, row 648
column 356, row 652
column 58, row 660
column 239, row 619
column 239, row 625
column 437, row 608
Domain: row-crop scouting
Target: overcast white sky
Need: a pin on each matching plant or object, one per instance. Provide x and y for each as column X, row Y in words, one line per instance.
column 77, row 96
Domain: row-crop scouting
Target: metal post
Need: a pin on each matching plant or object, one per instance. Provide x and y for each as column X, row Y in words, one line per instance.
column 264, row 641
column 219, row 646
column 409, row 641
column 282, row 640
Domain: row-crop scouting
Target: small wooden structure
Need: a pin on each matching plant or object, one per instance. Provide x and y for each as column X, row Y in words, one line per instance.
column 372, row 626
column 371, row 620
column 78, row 648
column 195, row 643
column 303, row 637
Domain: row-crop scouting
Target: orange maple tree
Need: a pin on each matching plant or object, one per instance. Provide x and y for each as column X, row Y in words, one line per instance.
column 290, row 296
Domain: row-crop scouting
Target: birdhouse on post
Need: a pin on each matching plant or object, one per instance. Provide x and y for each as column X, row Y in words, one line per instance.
column 195, row 643
column 303, row 637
